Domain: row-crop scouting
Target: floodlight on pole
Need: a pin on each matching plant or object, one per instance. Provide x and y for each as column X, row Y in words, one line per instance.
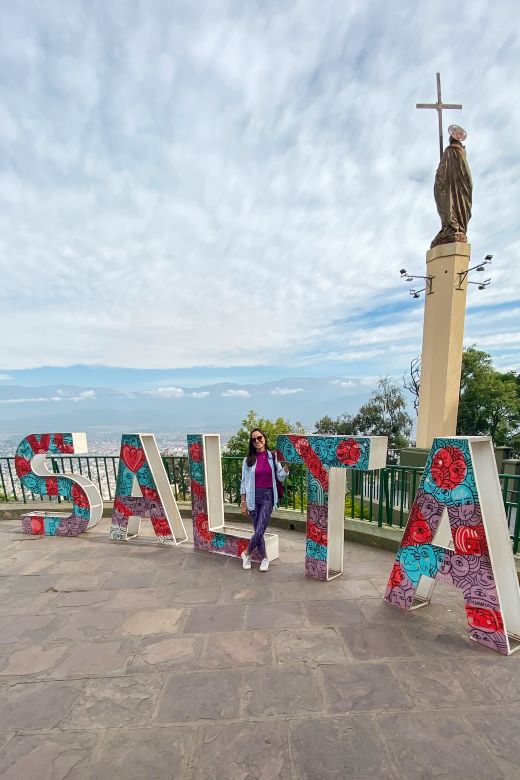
column 479, row 267
column 410, row 277
column 482, row 285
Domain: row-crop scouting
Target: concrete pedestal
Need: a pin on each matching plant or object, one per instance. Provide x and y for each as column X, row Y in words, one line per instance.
column 502, row 454
column 443, row 334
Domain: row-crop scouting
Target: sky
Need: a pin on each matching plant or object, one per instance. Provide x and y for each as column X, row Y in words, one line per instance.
column 226, row 190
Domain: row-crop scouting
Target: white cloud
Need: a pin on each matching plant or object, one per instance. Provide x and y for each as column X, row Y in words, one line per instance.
column 286, row 390
column 294, row 170
column 5, row 378
column 60, row 396
column 496, row 340
column 370, row 381
column 201, row 394
column 343, row 382
column 235, row 394
column 86, row 395
column 24, row 400
column 166, row 392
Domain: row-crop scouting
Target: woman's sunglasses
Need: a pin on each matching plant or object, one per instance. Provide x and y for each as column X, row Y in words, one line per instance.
column 257, row 438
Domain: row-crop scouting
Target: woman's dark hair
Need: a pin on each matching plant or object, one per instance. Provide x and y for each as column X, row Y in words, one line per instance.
column 251, row 453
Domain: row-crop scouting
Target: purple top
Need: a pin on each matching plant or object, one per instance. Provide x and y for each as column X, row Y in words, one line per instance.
column 263, row 471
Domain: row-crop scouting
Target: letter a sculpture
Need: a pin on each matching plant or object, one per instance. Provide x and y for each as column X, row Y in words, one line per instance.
column 472, row 551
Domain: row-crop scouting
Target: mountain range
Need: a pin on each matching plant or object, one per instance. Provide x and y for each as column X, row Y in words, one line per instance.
column 217, row 407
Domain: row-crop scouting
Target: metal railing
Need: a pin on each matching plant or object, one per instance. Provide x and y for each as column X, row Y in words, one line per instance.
column 383, row 497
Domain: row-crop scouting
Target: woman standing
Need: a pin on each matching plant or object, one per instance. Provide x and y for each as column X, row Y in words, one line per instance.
column 259, row 492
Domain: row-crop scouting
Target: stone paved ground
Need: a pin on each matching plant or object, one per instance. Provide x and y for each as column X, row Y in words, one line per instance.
column 139, row 661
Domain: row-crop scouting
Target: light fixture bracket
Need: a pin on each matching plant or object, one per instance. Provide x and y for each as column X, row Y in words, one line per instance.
column 463, row 275
column 428, row 280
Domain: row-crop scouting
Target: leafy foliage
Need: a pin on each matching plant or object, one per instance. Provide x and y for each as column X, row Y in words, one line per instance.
column 489, row 400
column 239, row 443
column 384, row 414
column 353, row 506
column 489, row 403
column 344, row 425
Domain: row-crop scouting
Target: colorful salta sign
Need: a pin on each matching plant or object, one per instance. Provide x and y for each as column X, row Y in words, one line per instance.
column 456, row 533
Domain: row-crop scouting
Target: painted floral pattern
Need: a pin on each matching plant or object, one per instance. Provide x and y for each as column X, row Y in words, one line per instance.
column 203, row 537
column 319, row 454
column 448, row 484
column 133, row 465
column 42, row 523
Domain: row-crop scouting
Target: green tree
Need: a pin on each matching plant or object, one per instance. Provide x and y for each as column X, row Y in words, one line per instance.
column 239, row 443
column 384, row 414
column 344, row 425
column 489, row 401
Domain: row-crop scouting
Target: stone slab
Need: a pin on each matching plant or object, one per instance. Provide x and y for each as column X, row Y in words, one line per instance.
column 30, row 706
column 332, row 612
column 33, row 660
column 200, row 696
column 151, row 621
column 252, row 750
column 27, row 628
column 497, row 727
column 124, row 701
column 92, row 659
column 281, row 692
column 136, row 754
column 56, row 756
column 237, row 649
column 310, row 646
column 205, row 620
column 348, row 747
column 437, row 744
column 249, row 674
column 442, row 682
column 160, row 653
column 377, row 642
column 363, row 688
column 276, row 615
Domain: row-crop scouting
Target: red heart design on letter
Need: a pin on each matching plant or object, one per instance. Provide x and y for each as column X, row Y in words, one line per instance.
column 133, row 457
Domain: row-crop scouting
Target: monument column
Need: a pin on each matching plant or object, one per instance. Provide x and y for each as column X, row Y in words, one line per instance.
column 443, row 334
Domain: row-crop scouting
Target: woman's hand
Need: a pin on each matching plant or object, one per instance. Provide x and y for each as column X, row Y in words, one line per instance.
column 286, row 467
column 243, row 507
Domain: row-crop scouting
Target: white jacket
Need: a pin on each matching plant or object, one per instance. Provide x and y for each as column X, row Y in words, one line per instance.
column 247, row 484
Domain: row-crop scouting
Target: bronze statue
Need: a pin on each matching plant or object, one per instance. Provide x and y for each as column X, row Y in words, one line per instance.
column 453, row 190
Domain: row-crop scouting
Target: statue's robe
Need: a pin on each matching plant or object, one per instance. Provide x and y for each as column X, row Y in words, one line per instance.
column 453, row 191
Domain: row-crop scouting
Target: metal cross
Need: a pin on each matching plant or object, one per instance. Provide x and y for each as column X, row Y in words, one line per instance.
column 439, row 106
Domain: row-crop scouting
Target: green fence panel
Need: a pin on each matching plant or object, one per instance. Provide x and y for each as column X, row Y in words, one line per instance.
column 385, row 496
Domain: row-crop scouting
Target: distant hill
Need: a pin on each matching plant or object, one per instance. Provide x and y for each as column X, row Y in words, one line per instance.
column 216, row 407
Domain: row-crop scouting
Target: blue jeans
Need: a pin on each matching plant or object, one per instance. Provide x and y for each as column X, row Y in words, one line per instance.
column 260, row 516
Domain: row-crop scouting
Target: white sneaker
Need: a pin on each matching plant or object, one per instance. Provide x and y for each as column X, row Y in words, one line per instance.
column 246, row 560
column 264, row 566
